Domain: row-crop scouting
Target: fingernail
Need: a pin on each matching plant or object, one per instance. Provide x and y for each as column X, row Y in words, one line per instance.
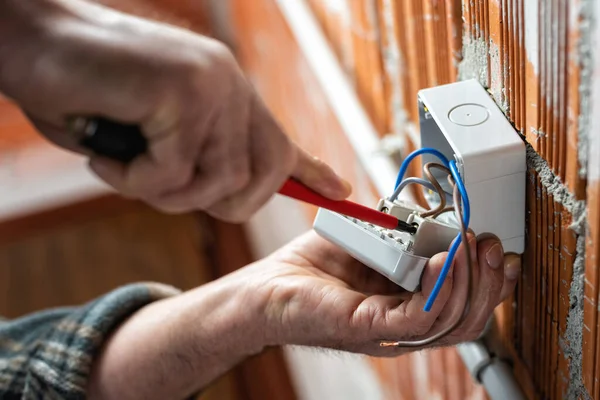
column 347, row 185
column 512, row 269
column 338, row 189
column 494, row 256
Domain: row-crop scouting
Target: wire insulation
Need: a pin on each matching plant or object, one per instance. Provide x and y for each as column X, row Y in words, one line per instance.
column 438, row 187
column 407, row 161
column 443, row 273
column 419, row 181
column 469, row 295
column 466, row 209
column 463, row 210
column 463, row 192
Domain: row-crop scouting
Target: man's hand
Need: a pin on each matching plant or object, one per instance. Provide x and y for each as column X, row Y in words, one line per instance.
column 212, row 143
column 319, row 296
column 308, row 293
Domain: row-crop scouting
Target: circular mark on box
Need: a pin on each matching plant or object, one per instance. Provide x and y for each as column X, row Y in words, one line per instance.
column 469, row 114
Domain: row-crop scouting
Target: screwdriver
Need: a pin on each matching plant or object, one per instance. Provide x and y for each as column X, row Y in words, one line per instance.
column 122, row 142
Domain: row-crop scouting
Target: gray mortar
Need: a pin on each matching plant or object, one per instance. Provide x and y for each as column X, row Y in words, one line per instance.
column 587, row 22
column 538, row 132
column 573, row 348
column 475, row 60
column 496, row 78
column 554, row 186
column 572, row 342
column 474, row 65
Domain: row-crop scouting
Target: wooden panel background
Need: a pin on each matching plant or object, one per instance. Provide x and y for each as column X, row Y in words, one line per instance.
column 72, row 254
column 535, row 59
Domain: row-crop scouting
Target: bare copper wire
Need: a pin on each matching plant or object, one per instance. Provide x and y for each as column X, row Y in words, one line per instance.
column 469, row 299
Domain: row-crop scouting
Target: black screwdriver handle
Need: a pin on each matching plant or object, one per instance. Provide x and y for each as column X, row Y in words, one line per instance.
column 106, row 138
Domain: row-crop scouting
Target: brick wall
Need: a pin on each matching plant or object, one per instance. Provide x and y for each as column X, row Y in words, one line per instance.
column 535, row 57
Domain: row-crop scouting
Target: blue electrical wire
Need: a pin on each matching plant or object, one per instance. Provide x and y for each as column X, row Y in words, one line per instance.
column 443, row 274
column 465, row 205
column 452, row 252
column 463, row 193
column 408, row 159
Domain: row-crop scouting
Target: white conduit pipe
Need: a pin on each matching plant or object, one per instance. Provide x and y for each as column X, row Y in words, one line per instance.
column 495, row 375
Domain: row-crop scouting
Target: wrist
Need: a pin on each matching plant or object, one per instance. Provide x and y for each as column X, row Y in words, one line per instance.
column 233, row 313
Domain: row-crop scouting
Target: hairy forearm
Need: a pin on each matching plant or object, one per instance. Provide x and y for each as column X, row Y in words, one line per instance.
column 176, row 347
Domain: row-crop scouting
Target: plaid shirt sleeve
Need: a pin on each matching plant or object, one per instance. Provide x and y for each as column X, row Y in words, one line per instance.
column 49, row 355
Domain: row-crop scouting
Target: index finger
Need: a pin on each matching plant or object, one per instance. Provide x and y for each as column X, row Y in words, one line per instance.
column 320, row 177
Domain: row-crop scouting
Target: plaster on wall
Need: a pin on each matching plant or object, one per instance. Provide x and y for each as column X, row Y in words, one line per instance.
column 587, row 21
column 572, row 342
column 593, row 172
column 474, row 65
column 496, row 72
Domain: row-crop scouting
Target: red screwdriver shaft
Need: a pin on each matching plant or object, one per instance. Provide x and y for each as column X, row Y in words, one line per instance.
column 296, row 190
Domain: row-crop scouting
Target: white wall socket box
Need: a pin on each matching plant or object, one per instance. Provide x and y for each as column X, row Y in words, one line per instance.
column 463, row 122
column 399, row 256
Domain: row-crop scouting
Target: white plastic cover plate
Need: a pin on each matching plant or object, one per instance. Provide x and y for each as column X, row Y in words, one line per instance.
column 379, row 252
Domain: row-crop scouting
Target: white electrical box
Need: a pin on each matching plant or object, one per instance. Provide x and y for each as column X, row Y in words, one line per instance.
column 464, row 123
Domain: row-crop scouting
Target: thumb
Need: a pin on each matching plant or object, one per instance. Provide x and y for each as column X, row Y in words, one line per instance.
column 320, row 177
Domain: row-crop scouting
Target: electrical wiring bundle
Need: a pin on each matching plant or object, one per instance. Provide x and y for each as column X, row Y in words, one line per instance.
column 461, row 208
